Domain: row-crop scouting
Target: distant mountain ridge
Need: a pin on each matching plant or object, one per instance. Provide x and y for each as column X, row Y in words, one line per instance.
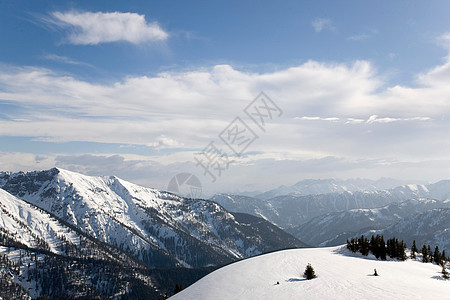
column 331, row 185
column 293, row 210
column 334, row 228
column 430, row 228
column 329, row 219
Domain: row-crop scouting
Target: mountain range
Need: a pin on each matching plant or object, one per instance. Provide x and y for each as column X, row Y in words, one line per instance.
column 331, row 185
column 64, row 234
column 336, row 227
column 329, row 219
column 62, row 214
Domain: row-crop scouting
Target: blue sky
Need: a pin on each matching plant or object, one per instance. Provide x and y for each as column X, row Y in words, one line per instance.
column 137, row 88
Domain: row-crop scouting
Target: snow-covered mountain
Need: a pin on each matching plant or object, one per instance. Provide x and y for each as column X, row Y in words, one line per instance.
column 329, row 219
column 326, row 186
column 431, row 228
column 160, row 228
column 23, row 222
column 340, row 275
column 294, row 210
column 334, row 228
column 37, row 249
column 249, row 205
column 117, row 234
column 291, row 210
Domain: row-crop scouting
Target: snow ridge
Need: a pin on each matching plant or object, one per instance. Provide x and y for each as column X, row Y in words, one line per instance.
column 340, row 275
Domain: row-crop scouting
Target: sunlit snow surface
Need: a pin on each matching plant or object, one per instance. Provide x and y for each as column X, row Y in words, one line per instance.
column 340, row 275
column 26, row 223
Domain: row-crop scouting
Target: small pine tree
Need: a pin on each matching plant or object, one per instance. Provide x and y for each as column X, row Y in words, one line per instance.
column 309, row 272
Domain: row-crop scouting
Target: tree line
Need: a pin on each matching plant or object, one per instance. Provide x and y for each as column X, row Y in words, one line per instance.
column 377, row 246
column 394, row 249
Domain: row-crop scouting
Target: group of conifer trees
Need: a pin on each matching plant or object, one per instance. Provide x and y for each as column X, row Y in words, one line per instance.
column 397, row 249
column 437, row 257
column 378, row 247
column 428, row 255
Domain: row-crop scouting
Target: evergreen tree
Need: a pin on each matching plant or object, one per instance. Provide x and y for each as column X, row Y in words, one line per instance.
column 437, row 256
column 375, row 245
column 364, row 245
column 382, row 248
column 402, row 251
column 309, row 272
column 414, row 249
column 372, row 245
column 424, row 254
column 392, row 248
column 352, row 245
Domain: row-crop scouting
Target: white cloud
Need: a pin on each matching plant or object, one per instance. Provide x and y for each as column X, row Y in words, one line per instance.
column 320, row 24
column 376, row 119
column 344, row 111
column 63, row 59
column 163, row 142
column 92, row 28
column 444, row 40
column 354, row 121
column 332, row 119
column 372, row 119
column 149, row 171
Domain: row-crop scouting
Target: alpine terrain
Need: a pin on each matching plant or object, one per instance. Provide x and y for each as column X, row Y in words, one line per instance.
column 330, row 219
column 78, row 222
column 340, row 274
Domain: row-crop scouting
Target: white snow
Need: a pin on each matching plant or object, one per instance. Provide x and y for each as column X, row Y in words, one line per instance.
column 26, row 223
column 341, row 275
column 130, row 216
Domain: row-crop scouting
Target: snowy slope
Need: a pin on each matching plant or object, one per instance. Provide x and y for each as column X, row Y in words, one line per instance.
column 248, row 205
column 32, row 227
column 340, row 276
column 41, row 255
column 160, row 228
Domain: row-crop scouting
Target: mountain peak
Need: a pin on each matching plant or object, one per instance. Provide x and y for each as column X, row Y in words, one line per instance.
column 145, row 222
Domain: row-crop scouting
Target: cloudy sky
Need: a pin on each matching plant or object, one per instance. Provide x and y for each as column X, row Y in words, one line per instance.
column 148, row 89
